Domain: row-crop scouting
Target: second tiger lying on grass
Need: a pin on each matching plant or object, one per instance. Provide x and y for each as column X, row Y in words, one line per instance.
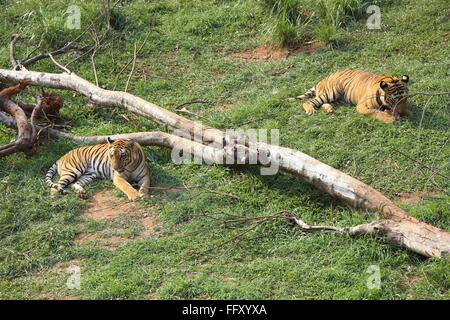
column 122, row 161
column 377, row 96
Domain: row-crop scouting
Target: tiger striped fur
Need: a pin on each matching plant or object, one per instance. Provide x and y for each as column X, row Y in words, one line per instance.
column 377, row 96
column 122, row 161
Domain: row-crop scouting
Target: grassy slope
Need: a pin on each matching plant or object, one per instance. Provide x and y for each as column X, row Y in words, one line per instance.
column 186, row 57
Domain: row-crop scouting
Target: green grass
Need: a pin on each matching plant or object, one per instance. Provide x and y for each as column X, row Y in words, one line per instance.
column 186, row 57
column 292, row 22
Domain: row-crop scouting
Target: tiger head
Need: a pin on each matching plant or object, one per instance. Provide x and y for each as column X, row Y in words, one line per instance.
column 394, row 93
column 120, row 152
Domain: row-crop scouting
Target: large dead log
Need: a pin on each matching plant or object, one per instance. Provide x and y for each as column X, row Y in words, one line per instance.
column 411, row 233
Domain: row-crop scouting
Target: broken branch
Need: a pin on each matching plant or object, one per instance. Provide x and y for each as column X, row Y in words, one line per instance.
column 402, row 233
column 24, row 140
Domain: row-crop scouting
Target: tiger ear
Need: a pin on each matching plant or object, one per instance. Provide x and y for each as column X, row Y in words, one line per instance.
column 383, row 85
column 109, row 140
column 130, row 143
column 405, row 78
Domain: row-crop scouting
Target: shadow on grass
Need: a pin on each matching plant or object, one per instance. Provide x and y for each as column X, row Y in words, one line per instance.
column 289, row 185
column 427, row 118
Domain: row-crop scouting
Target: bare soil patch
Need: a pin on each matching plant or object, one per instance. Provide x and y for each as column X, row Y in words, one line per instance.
column 151, row 296
column 104, row 206
column 63, row 267
column 410, row 279
column 266, row 52
column 149, row 225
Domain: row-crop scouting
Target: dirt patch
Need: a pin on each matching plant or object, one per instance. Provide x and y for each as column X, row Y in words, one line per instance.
column 113, row 241
column 276, row 53
column 64, row 267
column 415, row 197
column 309, row 47
column 86, row 237
column 148, row 224
column 262, row 53
column 104, row 205
column 410, row 279
column 151, row 296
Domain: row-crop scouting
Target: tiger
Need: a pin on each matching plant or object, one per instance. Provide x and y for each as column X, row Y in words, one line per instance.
column 376, row 96
column 121, row 160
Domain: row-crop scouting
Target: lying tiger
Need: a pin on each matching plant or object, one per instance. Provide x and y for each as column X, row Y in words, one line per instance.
column 376, row 96
column 122, row 161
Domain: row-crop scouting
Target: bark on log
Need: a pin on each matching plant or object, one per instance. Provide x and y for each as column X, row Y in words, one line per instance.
column 25, row 139
column 153, row 138
column 402, row 233
column 415, row 235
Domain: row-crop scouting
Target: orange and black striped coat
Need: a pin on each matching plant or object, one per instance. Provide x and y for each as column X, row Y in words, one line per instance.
column 122, row 161
column 377, row 96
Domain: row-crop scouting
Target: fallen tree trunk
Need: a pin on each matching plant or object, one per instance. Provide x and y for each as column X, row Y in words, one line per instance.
column 411, row 233
column 153, row 138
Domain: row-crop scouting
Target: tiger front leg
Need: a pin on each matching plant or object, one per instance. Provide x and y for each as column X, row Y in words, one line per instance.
column 125, row 186
column 315, row 104
column 372, row 113
column 58, row 188
column 55, row 191
column 328, row 108
column 144, row 186
column 309, row 108
column 78, row 186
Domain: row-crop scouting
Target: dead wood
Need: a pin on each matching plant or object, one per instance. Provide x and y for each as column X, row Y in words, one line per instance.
column 402, row 233
column 25, row 141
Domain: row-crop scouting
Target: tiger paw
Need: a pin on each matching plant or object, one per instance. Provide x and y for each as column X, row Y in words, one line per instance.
column 54, row 192
column 82, row 195
column 142, row 196
column 80, row 191
column 309, row 109
column 388, row 117
column 133, row 196
column 328, row 108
